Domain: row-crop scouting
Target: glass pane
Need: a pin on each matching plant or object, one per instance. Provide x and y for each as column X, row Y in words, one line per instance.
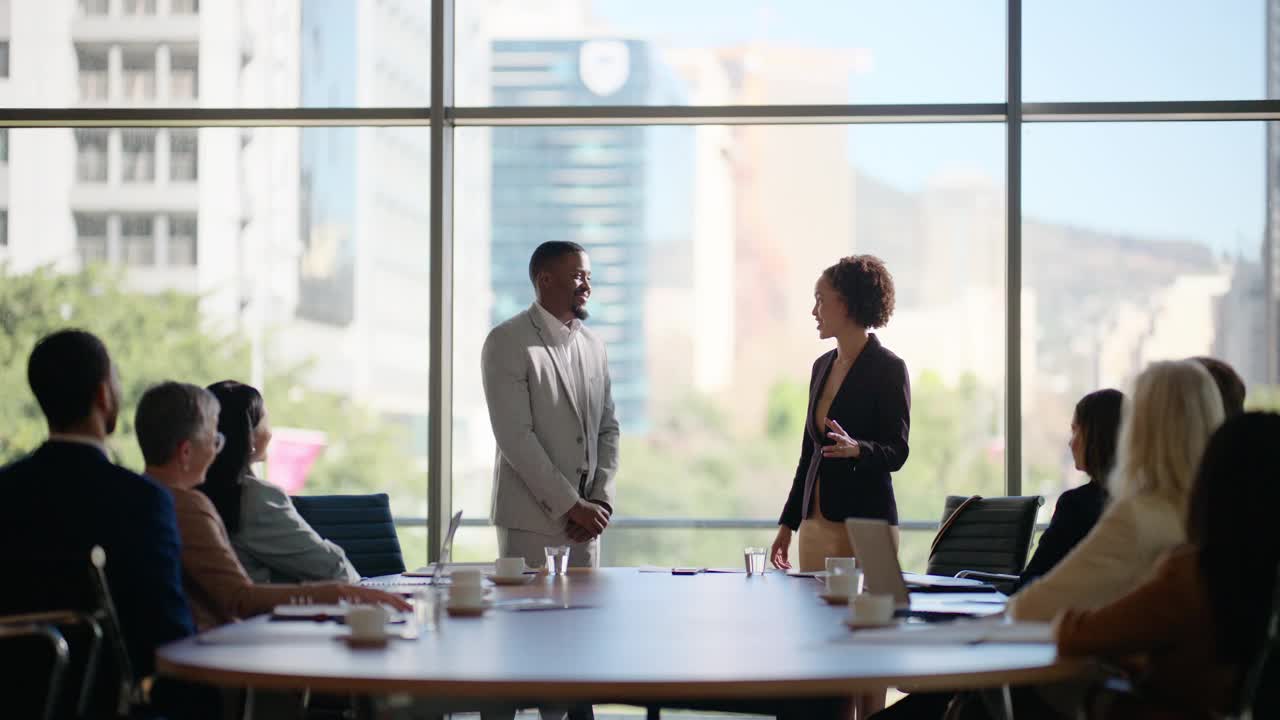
column 281, row 265
column 184, row 158
column 705, row 245
column 1141, row 242
column 728, row 52
column 1081, row 50
column 138, row 155
column 180, row 53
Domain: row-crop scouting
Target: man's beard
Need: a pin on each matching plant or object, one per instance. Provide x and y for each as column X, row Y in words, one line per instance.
column 580, row 312
column 110, row 423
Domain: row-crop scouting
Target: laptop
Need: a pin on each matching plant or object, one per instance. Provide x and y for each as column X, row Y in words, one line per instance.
column 446, row 553
column 882, row 574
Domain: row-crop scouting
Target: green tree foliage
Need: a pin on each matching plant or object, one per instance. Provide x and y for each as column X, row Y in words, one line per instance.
column 155, row 337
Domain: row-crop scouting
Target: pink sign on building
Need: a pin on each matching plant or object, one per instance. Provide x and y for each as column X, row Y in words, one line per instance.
column 290, row 456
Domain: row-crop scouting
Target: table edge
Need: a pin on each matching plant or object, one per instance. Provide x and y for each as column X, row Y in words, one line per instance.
column 1060, row 670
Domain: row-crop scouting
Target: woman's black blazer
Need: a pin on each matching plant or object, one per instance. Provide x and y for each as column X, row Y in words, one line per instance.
column 873, row 405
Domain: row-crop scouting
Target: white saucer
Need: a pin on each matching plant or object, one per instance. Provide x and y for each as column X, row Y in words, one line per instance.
column 834, row 599
column 467, row 610
column 864, row 625
column 365, row 643
column 521, row 579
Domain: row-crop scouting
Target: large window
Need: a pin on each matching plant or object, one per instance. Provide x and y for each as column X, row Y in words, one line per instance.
column 272, row 181
column 728, row 52
column 1092, row 50
column 280, row 264
column 706, row 243
column 1142, row 242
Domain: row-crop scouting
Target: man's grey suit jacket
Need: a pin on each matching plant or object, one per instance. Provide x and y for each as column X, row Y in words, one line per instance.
column 546, row 443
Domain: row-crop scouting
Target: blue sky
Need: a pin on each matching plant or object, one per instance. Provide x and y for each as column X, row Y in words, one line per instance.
column 1201, row 181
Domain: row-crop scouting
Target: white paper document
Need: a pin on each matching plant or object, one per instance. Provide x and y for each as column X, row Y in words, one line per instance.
column 959, row 632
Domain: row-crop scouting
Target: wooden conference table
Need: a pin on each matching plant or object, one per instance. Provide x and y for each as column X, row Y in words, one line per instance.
column 632, row 636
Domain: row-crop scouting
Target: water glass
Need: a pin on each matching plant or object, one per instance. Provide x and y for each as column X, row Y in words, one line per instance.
column 753, row 558
column 557, row 559
column 426, row 608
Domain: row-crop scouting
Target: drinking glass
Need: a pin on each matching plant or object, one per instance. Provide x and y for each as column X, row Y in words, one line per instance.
column 753, row 558
column 557, row 559
column 426, row 608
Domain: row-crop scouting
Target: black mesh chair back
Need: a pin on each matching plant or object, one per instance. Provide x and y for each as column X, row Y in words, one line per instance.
column 989, row 535
column 35, row 657
column 359, row 524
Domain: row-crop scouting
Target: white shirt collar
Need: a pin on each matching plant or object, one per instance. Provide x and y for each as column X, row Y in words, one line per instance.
column 81, row 439
column 562, row 332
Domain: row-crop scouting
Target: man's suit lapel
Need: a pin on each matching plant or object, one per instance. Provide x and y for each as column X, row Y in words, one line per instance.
column 547, row 342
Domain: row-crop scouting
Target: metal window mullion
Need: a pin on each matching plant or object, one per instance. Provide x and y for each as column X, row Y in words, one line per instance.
column 727, row 114
column 440, row 383
column 1152, row 111
column 1224, row 110
column 1013, row 253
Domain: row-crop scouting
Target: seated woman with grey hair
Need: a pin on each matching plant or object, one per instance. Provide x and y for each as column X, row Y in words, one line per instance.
column 177, row 427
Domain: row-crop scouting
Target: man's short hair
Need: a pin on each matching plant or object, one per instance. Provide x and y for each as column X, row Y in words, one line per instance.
column 548, row 252
column 65, row 371
column 1230, row 384
column 169, row 413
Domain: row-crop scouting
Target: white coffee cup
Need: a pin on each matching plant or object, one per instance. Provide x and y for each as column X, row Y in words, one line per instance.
column 466, row 595
column 509, row 567
column 843, row 584
column 367, row 622
column 467, row 577
column 841, row 564
column 871, row 609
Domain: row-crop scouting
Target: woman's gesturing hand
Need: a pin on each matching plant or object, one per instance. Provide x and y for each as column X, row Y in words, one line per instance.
column 845, row 447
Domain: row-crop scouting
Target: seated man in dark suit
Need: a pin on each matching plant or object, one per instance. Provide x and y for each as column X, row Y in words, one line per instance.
column 67, row 496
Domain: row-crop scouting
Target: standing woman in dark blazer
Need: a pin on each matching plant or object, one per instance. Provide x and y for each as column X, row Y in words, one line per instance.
column 858, row 419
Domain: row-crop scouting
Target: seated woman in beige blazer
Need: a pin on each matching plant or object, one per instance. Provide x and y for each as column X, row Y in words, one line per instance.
column 1168, row 418
column 177, row 425
column 273, row 542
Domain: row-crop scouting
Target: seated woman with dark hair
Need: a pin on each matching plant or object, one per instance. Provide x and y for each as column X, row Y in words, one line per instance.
column 177, row 427
column 1199, row 619
column 1095, row 427
column 273, row 542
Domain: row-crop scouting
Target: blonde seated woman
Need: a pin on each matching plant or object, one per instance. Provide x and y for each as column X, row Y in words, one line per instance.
column 177, row 427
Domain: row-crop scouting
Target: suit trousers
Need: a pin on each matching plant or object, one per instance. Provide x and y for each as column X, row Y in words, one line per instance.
column 531, row 546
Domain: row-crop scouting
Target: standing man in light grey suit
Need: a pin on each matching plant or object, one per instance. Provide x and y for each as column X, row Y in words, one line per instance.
column 546, row 382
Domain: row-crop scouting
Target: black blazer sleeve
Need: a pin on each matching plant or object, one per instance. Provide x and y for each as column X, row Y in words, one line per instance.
column 792, row 513
column 888, row 451
column 1075, row 514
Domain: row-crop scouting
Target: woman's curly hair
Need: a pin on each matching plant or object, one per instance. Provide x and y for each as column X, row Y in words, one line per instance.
column 866, row 286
